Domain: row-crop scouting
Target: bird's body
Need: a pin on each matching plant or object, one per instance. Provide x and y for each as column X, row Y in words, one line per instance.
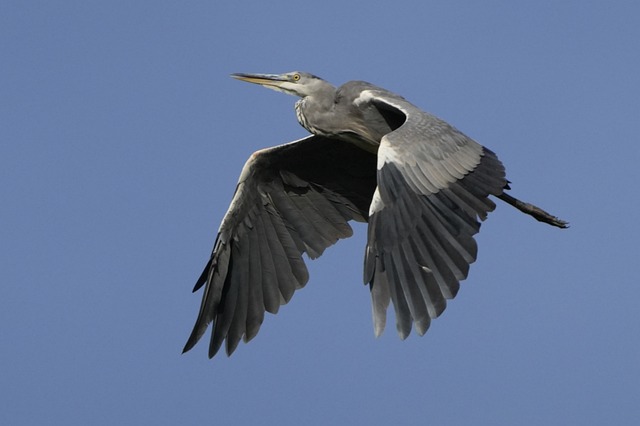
column 420, row 184
column 366, row 126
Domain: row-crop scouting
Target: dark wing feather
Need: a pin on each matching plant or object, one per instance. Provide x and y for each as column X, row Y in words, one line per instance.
column 291, row 199
column 433, row 187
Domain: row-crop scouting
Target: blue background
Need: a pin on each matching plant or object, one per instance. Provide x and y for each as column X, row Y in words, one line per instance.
column 122, row 137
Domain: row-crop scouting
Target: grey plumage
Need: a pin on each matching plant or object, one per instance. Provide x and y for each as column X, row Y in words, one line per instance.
column 421, row 185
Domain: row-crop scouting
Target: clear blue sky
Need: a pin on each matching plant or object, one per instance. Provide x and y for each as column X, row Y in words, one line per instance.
column 121, row 139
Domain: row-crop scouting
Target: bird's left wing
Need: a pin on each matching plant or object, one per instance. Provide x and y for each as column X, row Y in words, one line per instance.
column 433, row 186
column 291, row 199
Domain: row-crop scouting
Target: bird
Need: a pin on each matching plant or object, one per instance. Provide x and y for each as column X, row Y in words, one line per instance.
column 422, row 186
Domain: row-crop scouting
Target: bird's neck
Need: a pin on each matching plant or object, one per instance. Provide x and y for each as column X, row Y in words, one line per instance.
column 315, row 112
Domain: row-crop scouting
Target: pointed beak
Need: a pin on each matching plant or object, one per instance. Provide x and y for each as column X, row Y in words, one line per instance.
column 262, row 79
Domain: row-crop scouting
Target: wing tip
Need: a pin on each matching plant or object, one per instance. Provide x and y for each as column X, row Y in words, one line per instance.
column 191, row 342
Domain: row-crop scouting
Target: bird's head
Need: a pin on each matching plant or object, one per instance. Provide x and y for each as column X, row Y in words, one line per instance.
column 293, row 83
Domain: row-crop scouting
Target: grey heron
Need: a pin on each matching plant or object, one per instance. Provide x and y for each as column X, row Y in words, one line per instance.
column 372, row 156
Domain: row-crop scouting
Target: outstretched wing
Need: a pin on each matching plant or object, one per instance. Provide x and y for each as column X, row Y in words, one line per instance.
column 433, row 187
column 291, row 199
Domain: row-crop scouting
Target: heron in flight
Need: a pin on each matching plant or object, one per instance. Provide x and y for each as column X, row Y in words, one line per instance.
column 372, row 156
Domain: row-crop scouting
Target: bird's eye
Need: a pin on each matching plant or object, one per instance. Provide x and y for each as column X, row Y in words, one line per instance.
column 296, row 77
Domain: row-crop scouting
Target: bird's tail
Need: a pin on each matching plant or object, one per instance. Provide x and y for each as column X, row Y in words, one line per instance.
column 534, row 211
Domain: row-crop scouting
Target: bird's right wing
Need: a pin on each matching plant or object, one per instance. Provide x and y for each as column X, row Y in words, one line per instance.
column 433, row 186
column 291, row 199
